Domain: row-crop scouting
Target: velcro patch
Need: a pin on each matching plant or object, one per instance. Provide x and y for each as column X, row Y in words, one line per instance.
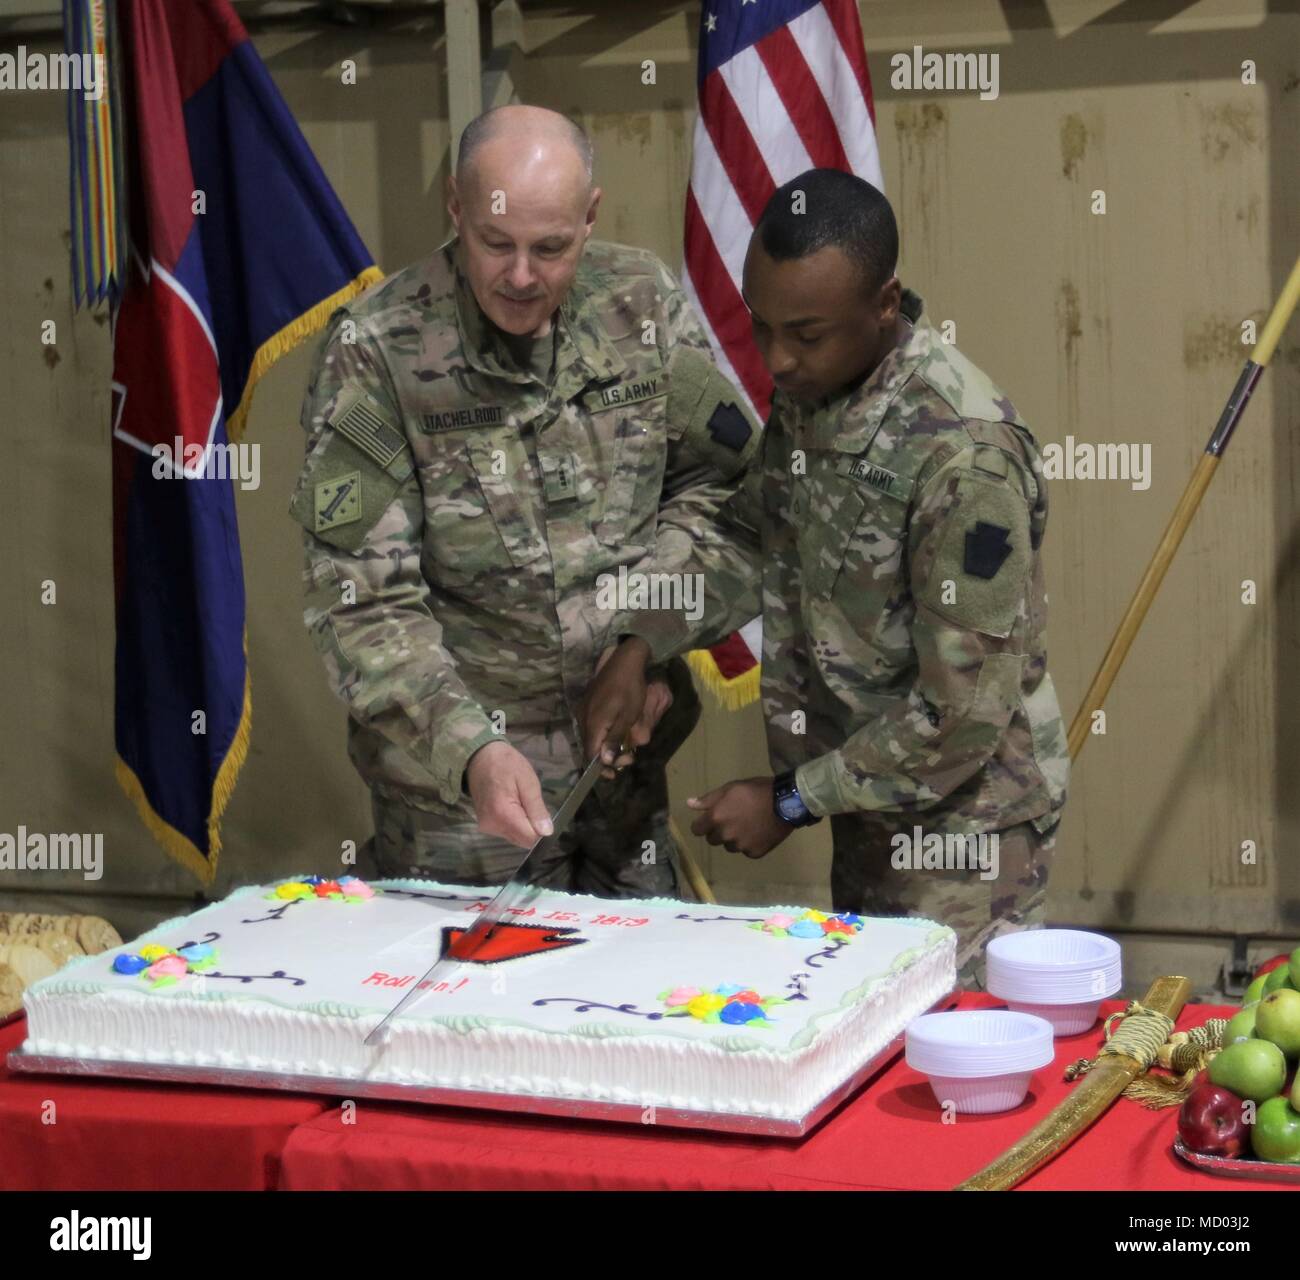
column 622, row 394
column 337, row 502
column 869, row 473
column 377, row 439
column 477, row 415
column 729, row 427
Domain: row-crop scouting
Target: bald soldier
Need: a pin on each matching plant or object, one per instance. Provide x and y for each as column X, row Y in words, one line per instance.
column 498, row 437
column 904, row 672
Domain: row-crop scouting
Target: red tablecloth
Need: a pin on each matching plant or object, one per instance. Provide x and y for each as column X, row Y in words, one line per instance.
column 120, row 1135
column 889, row 1136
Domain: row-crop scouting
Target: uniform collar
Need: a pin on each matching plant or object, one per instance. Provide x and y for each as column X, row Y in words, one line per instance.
column 584, row 350
column 850, row 420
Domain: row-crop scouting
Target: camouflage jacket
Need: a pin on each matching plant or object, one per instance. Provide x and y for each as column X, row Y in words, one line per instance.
column 461, row 517
column 903, row 666
column 904, row 609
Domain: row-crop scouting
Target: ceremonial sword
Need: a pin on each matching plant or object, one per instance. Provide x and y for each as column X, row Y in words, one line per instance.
column 468, row 944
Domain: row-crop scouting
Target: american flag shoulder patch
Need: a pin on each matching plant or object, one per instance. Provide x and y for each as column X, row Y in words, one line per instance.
column 378, row 439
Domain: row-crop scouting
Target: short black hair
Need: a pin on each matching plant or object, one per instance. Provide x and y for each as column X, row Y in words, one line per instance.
column 836, row 208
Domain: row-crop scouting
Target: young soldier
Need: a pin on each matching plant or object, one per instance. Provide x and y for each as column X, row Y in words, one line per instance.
column 902, row 509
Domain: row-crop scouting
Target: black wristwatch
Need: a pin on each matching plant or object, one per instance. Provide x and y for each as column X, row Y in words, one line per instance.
column 789, row 804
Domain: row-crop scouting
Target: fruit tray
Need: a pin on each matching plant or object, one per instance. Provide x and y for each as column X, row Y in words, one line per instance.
column 1233, row 1167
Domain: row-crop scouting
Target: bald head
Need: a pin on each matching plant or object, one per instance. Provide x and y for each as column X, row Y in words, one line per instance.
column 523, row 207
column 519, row 127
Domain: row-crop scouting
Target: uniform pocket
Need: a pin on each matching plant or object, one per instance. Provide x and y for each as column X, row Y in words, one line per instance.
column 630, row 510
column 826, row 529
column 474, row 523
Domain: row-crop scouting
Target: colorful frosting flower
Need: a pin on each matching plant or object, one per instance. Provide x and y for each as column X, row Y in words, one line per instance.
column 703, row 1005
column 681, row 995
column 354, row 888
column 739, row 1013
column 170, row 966
column 325, row 888
column 811, row 924
column 163, row 968
column 294, row 889
column 806, row 929
column 727, row 1004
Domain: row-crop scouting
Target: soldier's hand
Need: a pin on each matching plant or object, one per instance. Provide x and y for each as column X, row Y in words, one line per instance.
column 740, row 817
column 507, row 795
column 614, row 712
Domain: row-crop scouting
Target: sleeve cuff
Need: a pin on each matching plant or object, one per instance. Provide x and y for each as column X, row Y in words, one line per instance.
column 452, row 761
column 821, row 785
column 664, row 632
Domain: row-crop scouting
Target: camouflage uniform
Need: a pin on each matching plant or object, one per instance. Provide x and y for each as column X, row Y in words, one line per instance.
column 459, row 513
column 904, row 675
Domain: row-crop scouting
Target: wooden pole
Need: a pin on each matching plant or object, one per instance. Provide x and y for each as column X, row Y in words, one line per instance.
column 1081, row 726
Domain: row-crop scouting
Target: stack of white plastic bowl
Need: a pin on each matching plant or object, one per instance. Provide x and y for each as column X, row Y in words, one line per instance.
column 1062, row 975
column 979, row 1060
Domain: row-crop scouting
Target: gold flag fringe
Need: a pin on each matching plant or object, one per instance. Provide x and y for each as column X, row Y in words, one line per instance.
column 295, row 332
column 175, row 843
column 733, row 694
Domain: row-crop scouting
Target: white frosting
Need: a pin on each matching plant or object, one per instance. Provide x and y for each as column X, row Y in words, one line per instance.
column 484, row 1030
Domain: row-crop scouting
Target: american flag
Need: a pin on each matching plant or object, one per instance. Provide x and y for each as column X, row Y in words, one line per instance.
column 783, row 88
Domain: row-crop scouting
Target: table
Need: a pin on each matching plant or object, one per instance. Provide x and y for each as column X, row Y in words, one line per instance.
column 68, row 1133
column 889, row 1136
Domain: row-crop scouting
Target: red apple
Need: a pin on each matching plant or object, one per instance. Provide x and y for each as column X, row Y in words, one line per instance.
column 1210, row 1122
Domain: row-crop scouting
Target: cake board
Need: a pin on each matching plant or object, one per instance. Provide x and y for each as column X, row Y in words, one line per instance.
column 20, row 1061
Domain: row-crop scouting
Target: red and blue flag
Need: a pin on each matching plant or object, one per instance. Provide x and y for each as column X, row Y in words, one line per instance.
column 239, row 249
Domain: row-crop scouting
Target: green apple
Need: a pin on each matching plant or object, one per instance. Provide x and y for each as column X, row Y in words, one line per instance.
column 1295, row 957
column 1276, row 1132
column 1279, row 977
column 1277, row 1018
column 1254, row 1069
column 1295, row 1091
column 1241, row 1026
column 1255, row 991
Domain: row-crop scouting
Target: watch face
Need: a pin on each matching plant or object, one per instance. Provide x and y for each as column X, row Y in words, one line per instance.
column 791, row 808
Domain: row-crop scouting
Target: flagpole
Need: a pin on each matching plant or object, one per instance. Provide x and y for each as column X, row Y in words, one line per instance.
column 1129, row 626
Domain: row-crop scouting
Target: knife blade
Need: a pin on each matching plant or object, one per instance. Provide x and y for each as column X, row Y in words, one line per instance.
column 468, row 944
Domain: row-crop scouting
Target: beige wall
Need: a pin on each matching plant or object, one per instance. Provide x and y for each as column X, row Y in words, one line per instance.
column 1120, row 327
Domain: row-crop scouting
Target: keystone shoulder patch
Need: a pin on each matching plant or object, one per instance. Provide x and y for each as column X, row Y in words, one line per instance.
column 729, row 427
column 987, row 548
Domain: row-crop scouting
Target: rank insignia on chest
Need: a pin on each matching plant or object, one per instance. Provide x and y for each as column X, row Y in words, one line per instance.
column 624, row 393
column 338, row 501
column 559, row 478
column 478, row 415
column 868, row 473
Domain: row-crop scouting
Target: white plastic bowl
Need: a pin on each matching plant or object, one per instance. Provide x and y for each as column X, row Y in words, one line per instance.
column 1058, row 974
column 982, row 1096
column 979, row 1060
column 1065, row 1019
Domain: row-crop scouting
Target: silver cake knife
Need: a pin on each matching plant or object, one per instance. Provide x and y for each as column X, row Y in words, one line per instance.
column 473, row 938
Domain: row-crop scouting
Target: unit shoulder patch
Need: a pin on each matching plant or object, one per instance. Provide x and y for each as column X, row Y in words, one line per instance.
column 337, row 502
